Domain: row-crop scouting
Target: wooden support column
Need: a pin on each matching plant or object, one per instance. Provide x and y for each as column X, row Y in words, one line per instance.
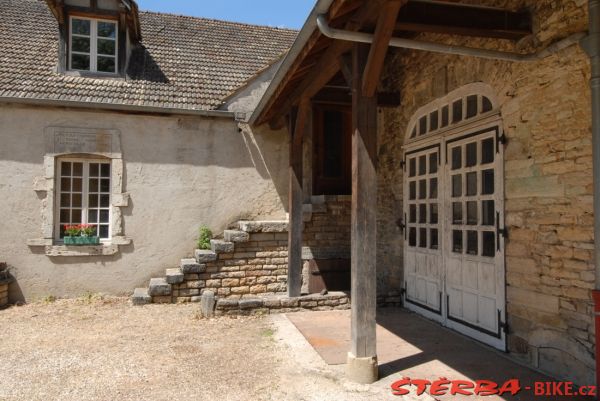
column 298, row 122
column 362, row 359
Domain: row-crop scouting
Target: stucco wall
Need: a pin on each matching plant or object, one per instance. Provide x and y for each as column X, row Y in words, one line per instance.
column 181, row 172
column 546, row 114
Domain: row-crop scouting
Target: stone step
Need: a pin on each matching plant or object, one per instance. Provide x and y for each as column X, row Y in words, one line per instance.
column 236, row 236
column 141, row 297
column 275, row 226
column 174, row 276
column 220, row 246
column 191, row 266
column 205, row 256
column 159, row 287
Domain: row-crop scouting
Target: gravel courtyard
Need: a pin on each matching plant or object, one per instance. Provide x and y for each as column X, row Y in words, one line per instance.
column 105, row 349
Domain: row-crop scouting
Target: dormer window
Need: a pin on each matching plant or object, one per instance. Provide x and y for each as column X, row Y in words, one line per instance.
column 93, row 45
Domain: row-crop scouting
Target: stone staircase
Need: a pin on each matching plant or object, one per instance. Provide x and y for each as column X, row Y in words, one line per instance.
column 250, row 261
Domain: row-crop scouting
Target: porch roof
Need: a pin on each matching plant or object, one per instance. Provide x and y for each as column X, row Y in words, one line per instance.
column 315, row 58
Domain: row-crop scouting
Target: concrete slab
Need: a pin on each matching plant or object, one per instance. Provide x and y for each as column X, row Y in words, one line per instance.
column 411, row 346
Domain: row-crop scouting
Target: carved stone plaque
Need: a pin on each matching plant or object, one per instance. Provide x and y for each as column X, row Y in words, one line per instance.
column 75, row 142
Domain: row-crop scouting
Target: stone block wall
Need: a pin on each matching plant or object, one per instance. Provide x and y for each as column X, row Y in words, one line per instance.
column 327, row 224
column 546, row 112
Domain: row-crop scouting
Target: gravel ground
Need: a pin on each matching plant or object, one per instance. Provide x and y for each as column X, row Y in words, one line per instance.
column 105, row 349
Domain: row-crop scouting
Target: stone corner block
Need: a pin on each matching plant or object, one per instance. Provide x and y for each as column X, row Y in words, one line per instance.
column 191, row 266
column 362, row 370
column 236, row 236
column 207, row 304
column 159, row 287
column 141, row 297
column 205, row 256
column 219, row 246
column 279, row 226
column 174, row 276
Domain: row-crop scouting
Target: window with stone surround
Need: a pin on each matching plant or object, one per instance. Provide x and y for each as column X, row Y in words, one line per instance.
column 83, row 195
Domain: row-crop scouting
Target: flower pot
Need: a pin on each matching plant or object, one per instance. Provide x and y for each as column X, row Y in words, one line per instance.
column 82, row 241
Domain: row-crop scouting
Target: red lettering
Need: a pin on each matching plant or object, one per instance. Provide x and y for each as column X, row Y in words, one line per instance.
column 397, row 387
column 421, row 386
column 569, row 389
column 485, row 388
column 513, row 387
column 539, row 389
column 460, row 387
column 557, row 389
column 439, row 387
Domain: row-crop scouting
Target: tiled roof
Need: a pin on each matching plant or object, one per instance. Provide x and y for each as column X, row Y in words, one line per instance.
column 184, row 63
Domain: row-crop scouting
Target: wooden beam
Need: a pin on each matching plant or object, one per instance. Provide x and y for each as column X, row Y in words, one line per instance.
column 362, row 366
column 298, row 123
column 381, row 42
column 346, row 67
column 344, row 97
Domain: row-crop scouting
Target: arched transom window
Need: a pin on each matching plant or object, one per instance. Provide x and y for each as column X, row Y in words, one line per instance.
column 462, row 105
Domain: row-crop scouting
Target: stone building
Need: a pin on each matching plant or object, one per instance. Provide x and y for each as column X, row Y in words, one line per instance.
column 435, row 154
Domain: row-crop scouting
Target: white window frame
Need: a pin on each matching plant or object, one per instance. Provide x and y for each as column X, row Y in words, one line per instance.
column 85, row 194
column 94, row 44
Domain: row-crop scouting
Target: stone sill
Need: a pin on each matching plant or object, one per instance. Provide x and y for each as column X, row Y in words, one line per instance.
column 56, row 250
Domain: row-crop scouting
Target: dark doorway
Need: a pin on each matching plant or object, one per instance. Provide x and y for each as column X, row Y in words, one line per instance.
column 332, row 150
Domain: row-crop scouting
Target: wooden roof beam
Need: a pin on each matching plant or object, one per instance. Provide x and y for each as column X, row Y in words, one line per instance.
column 379, row 48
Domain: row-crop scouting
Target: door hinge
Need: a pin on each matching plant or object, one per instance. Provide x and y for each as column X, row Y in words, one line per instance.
column 500, row 231
column 403, row 164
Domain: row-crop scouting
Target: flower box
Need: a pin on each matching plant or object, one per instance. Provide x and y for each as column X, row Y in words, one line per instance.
column 82, row 241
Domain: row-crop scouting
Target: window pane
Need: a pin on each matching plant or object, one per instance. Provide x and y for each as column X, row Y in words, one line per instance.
column 107, row 29
column 105, row 185
column 105, row 170
column 65, row 216
column 422, row 165
column 423, row 214
column 445, row 116
column 93, row 185
column 93, row 201
column 94, row 170
column 413, row 214
column 414, row 132
column 76, row 216
column 78, row 169
column 65, row 169
column 471, row 154
column 77, row 185
column 472, row 217
column 423, row 189
column 106, row 46
column 65, row 200
column 434, row 233
column 104, row 216
column 472, row 243
column 423, row 238
column 412, row 190
column 79, row 44
column 456, row 186
column 92, row 216
column 456, row 158
column 487, row 182
column 77, row 198
column 471, row 184
column 489, row 213
column 412, row 167
column 103, row 231
column 472, row 106
column 104, row 200
column 81, row 26
column 457, row 213
column 412, row 237
column 433, row 121
column 433, row 214
column 457, row 111
column 65, row 184
column 489, row 244
column 106, row 64
column 80, row 62
column 433, row 163
column 487, row 151
column 486, row 105
column 433, row 188
column 457, row 241
column 423, row 125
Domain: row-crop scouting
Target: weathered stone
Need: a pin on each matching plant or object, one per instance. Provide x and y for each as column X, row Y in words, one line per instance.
column 263, row 226
column 207, row 304
column 251, row 303
column 219, row 246
column 159, row 287
column 175, row 276
column 236, row 236
column 140, row 297
column 191, row 266
column 205, row 256
column 227, row 303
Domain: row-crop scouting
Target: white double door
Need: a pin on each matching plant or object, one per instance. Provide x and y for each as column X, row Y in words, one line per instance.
column 454, row 243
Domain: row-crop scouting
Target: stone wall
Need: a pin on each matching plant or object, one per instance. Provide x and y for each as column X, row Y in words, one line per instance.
column 327, row 225
column 545, row 108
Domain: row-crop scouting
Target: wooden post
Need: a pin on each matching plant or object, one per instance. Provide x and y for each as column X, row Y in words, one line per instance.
column 297, row 121
column 362, row 360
